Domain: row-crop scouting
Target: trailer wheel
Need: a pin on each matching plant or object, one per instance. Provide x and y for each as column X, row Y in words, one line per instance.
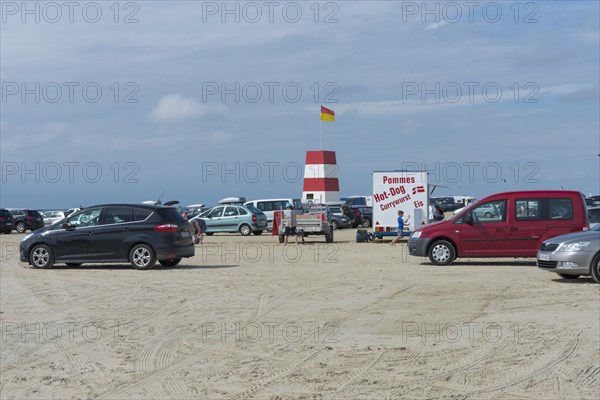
column 329, row 236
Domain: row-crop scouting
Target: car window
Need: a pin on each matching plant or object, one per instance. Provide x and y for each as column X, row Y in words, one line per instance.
column 215, row 212
column 118, row 215
column 298, row 204
column 140, row 214
column 528, row 209
column 86, row 218
column 335, row 210
column 264, row 205
column 492, row 211
column 594, row 215
column 242, row 211
column 253, row 209
column 561, row 209
column 231, row 211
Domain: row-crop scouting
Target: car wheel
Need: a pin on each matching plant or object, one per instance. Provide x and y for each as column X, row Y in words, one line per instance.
column 595, row 268
column 366, row 223
column 170, row 263
column 257, row 233
column 245, row 230
column 41, row 256
column 488, row 214
column 334, row 224
column 21, row 228
column 142, row 256
column 441, row 252
column 73, row 264
column 567, row 276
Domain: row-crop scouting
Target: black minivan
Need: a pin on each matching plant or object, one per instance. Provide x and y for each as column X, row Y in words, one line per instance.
column 136, row 233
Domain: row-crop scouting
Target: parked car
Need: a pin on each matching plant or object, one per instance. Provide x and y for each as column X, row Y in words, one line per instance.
column 353, row 215
column 338, row 220
column 51, row 217
column 136, row 233
column 572, row 255
column 366, row 214
column 545, row 214
column 594, row 216
column 7, row 222
column 234, row 218
column 269, row 206
column 26, row 219
column 447, row 203
column 483, row 211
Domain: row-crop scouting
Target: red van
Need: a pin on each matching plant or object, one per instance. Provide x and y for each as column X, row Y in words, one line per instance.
column 510, row 224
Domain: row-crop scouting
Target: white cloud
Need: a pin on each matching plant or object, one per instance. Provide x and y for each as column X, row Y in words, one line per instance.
column 436, row 25
column 176, row 107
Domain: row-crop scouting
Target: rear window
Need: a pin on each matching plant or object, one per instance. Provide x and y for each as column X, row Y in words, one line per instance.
column 561, row 209
column 4, row 213
column 140, row 214
column 171, row 215
column 253, row 209
column 32, row 213
column 594, row 215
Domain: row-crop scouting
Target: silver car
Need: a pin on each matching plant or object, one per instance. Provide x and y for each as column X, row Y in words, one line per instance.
column 572, row 255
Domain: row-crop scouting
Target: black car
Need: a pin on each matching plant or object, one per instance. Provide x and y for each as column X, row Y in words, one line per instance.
column 136, row 233
column 7, row 222
column 366, row 215
column 27, row 219
column 447, row 204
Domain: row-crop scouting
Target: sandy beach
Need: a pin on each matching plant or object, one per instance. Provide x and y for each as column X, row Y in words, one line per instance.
column 249, row 318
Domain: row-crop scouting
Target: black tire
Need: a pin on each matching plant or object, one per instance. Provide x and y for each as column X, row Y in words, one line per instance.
column 595, row 268
column 366, row 223
column 73, row 264
column 567, row 276
column 170, row 263
column 20, row 227
column 441, row 252
column 245, row 230
column 257, row 233
column 41, row 256
column 334, row 224
column 7, row 232
column 488, row 214
column 141, row 256
column 209, row 233
column 281, row 239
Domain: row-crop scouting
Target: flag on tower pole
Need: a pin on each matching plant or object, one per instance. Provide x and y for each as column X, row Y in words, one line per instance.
column 326, row 115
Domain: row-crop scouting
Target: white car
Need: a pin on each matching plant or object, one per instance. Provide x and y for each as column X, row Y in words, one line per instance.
column 594, row 216
column 51, row 217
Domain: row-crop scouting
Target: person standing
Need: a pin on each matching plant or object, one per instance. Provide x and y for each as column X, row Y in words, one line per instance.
column 401, row 223
column 290, row 224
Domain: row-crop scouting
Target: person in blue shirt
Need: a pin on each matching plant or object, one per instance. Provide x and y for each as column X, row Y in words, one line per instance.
column 401, row 224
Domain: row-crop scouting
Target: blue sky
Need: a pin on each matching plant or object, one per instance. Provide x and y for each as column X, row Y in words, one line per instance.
column 488, row 102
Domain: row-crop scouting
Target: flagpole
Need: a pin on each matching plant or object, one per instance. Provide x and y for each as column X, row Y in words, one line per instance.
column 320, row 134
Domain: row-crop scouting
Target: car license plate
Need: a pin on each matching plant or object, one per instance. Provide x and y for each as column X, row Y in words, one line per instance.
column 544, row 257
column 8, row 223
column 185, row 234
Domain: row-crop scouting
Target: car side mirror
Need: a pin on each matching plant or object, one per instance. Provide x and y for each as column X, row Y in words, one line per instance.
column 468, row 219
column 66, row 225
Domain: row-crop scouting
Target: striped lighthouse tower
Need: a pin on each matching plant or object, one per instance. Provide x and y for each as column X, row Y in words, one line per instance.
column 320, row 177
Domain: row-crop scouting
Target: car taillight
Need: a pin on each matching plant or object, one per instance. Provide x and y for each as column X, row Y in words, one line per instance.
column 30, row 217
column 253, row 218
column 356, row 213
column 166, row 228
column 2, row 218
column 323, row 217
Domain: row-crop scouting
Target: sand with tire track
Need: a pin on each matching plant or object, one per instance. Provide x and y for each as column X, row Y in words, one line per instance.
column 248, row 318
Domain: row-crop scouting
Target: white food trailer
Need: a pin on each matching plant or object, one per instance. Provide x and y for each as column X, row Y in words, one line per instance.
column 399, row 190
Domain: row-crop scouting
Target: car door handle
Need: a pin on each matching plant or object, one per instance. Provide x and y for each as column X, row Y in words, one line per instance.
column 534, row 236
column 499, row 230
column 90, row 233
column 125, row 230
column 512, row 229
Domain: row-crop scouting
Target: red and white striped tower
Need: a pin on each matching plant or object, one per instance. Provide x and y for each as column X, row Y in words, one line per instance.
column 321, row 183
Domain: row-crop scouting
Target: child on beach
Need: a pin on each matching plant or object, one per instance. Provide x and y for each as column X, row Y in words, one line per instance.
column 401, row 224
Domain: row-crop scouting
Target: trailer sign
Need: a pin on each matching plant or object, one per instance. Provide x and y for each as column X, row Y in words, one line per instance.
column 399, row 190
